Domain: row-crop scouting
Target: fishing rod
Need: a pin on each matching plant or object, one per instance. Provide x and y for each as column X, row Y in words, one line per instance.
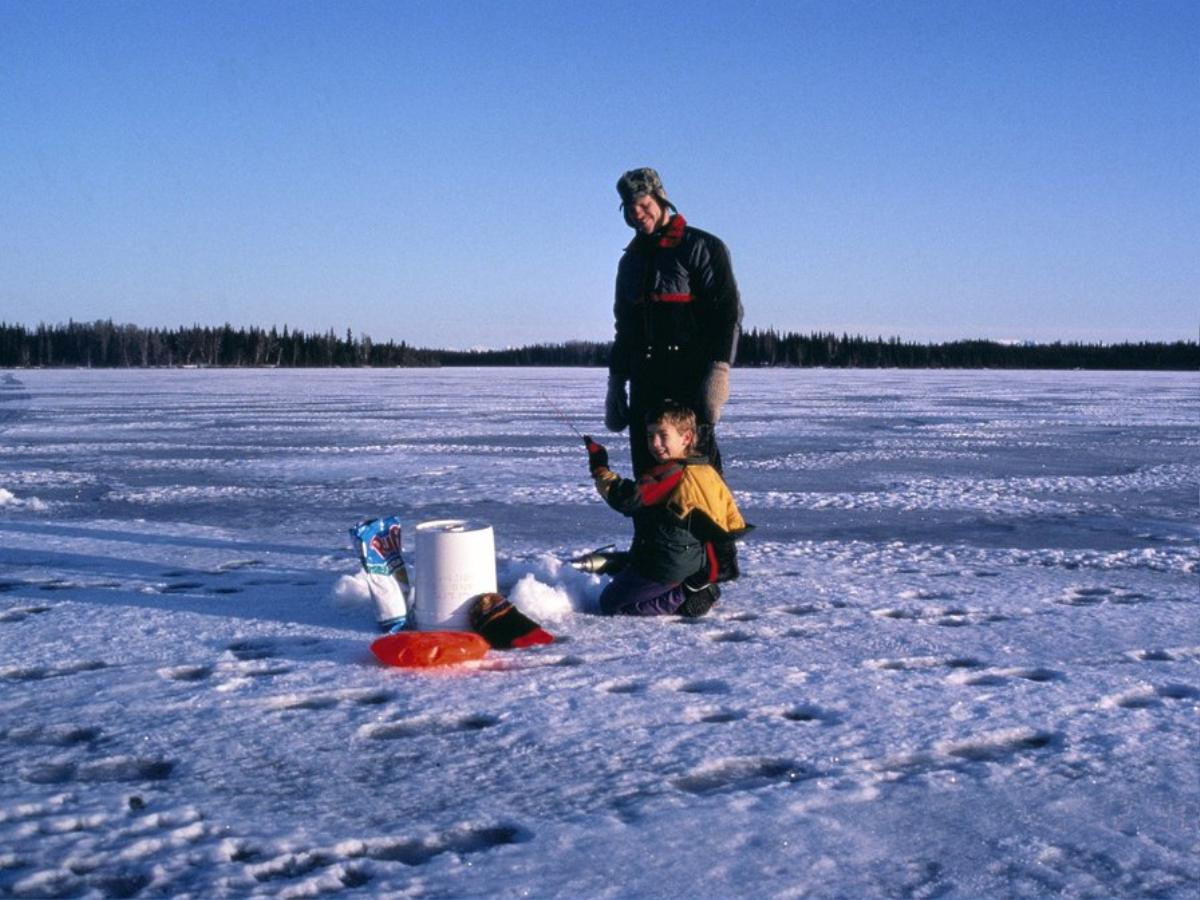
column 603, row 560
column 562, row 415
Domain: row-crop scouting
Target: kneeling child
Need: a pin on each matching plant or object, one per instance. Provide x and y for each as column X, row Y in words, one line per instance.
column 684, row 522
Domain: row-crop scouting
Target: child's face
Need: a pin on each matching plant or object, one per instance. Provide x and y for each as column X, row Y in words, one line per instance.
column 668, row 442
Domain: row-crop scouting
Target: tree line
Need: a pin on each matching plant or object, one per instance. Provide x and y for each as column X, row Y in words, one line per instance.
column 103, row 344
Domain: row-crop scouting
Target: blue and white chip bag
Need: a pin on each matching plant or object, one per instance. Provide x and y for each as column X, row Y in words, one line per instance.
column 380, row 550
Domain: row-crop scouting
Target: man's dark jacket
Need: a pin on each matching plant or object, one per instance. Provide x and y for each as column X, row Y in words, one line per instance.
column 677, row 312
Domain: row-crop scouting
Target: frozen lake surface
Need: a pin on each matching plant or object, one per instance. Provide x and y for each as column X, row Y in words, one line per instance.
column 964, row 659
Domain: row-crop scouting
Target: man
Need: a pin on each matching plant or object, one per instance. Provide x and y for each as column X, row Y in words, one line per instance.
column 678, row 317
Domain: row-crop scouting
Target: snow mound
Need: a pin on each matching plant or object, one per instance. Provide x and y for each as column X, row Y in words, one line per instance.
column 8, row 500
column 548, row 590
column 352, row 592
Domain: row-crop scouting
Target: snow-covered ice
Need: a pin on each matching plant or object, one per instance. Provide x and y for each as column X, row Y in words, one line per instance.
column 964, row 659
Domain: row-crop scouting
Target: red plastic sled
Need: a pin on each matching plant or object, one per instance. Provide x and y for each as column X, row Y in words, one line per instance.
column 425, row 649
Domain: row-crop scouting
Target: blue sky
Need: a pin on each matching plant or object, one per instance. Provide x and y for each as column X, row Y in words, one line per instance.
column 443, row 172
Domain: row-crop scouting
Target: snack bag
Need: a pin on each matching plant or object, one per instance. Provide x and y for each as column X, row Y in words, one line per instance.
column 379, row 546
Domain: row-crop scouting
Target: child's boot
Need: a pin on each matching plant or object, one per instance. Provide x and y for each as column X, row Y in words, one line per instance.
column 698, row 598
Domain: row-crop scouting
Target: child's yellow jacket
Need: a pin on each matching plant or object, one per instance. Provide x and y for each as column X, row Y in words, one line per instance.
column 676, row 508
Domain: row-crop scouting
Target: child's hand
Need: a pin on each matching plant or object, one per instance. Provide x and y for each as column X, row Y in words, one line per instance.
column 597, row 455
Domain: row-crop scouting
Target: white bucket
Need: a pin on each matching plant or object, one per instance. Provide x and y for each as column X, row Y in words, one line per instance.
column 456, row 562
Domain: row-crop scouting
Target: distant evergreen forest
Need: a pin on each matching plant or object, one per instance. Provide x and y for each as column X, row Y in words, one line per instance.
column 103, row 344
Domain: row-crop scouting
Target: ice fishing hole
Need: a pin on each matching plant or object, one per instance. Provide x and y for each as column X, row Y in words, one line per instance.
column 741, row 775
column 1178, row 692
column 252, row 649
column 477, row 722
column 806, row 714
column 963, row 662
column 181, row 586
column 722, row 716
column 354, row 878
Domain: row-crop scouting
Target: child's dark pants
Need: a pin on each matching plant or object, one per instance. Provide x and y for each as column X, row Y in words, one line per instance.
column 630, row 594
